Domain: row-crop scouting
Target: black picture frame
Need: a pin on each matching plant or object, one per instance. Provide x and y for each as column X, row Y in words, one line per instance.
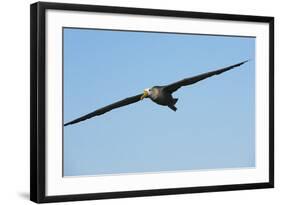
column 38, row 101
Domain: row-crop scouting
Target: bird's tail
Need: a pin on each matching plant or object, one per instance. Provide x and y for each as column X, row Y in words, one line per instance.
column 172, row 107
column 175, row 100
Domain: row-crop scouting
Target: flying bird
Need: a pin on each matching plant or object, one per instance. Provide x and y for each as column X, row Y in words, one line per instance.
column 161, row 95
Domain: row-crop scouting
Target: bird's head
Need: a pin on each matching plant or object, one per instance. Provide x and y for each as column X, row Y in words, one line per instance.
column 146, row 93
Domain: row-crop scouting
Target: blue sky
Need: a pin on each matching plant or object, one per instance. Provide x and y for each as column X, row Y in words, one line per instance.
column 213, row 128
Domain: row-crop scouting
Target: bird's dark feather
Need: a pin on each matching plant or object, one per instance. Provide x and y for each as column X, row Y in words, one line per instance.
column 105, row 109
column 188, row 81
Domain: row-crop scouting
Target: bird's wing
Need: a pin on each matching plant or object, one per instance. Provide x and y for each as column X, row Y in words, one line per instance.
column 107, row 108
column 188, row 81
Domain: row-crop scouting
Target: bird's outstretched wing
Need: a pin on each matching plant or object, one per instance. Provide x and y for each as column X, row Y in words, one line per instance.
column 188, row 81
column 107, row 108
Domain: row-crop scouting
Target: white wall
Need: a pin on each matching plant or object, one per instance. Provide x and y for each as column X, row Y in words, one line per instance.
column 14, row 100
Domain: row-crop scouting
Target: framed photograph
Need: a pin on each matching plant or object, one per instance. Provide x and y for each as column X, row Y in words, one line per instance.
column 129, row 102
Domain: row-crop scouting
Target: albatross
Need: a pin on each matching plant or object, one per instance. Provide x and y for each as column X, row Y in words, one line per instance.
column 161, row 95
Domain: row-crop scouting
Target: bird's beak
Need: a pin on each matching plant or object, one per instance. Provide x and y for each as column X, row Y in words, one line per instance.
column 145, row 94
